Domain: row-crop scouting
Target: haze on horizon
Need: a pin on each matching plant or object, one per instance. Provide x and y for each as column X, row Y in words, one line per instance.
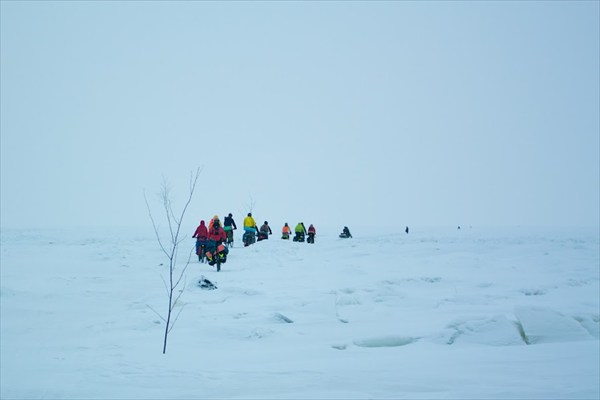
column 333, row 113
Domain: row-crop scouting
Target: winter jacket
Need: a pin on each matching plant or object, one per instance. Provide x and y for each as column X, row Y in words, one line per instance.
column 212, row 222
column 228, row 222
column 286, row 229
column 201, row 231
column 217, row 234
column 311, row 229
column 266, row 229
column 300, row 228
column 249, row 222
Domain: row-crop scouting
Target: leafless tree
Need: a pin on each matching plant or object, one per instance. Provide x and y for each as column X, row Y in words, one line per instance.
column 170, row 247
column 251, row 204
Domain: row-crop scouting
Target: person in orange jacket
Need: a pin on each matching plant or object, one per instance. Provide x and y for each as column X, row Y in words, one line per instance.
column 212, row 222
column 286, row 231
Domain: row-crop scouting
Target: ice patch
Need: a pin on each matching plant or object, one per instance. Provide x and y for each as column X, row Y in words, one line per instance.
column 591, row 323
column 542, row 325
column 496, row 331
column 5, row 292
column 533, row 292
column 340, row 346
column 282, row 318
column 386, row 341
column 259, row 333
column 347, row 301
column 243, row 291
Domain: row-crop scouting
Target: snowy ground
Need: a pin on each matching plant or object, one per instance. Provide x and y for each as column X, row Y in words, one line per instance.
column 439, row 313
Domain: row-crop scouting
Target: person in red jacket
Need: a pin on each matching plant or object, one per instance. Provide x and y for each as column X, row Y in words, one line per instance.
column 216, row 237
column 201, row 236
column 311, row 234
column 217, row 233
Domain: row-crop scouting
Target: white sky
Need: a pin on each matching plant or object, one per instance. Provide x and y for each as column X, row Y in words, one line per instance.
column 333, row 113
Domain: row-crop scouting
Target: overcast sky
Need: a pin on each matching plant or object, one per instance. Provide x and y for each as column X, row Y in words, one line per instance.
column 332, row 113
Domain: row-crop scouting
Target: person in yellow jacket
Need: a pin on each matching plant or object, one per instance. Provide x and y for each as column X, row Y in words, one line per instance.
column 250, row 224
column 250, row 230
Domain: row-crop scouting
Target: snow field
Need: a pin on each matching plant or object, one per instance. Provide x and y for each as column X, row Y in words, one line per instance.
column 433, row 314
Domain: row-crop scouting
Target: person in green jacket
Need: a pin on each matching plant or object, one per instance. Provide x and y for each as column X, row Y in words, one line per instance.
column 300, row 232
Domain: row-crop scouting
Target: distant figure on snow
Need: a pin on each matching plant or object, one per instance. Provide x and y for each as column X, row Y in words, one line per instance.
column 311, row 234
column 216, row 236
column 201, row 235
column 286, row 231
column 249, row 230
column 300, row 232
column 345, row 233
column 229, row 226
column 406, row 230
column 265, row 231
column 250, row 224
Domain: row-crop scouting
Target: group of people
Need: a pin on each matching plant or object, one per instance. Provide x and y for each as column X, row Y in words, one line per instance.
column 251, row 231
column 213, row 241
column 300, row 233
column 262, row 233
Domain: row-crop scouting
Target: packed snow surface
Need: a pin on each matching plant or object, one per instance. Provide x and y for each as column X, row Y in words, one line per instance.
column 436, row 313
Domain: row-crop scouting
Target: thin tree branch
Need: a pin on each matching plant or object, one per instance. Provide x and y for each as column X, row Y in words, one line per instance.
column 165, row 191
column 185, row 267
column 178, row 296
column 166, row 286
column 156, row 312
column 162, row 247
column 176, row 317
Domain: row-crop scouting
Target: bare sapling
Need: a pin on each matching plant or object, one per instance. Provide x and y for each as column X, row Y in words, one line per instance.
column 250, row 205
column 170, row 247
